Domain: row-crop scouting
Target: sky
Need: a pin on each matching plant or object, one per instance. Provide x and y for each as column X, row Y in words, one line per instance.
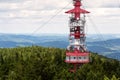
column 47, row 16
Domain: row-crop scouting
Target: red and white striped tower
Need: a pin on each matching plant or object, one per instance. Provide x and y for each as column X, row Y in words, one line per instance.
column 76, row 52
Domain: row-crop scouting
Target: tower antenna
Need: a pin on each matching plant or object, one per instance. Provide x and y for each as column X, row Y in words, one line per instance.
column 76, row 52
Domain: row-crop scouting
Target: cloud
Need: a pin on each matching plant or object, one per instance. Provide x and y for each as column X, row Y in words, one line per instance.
column 11, row 1
column 105, row 12
column 31, row 14
column 102, row 3
column 30, row 8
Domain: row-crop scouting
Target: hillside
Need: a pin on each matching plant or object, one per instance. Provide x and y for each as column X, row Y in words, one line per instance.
column 109, row 46
column 38, row 63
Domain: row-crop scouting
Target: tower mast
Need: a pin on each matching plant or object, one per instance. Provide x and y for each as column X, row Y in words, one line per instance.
column 76, row 52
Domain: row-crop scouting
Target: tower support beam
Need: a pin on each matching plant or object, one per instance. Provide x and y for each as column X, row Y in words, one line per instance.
column 76, row 52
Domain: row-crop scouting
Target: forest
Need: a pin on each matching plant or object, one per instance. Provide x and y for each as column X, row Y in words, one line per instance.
column 40, row 63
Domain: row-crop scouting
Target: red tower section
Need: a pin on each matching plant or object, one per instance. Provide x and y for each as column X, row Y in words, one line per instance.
column 76, row 52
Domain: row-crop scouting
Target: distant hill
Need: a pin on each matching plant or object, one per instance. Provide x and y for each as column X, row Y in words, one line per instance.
column 39, row 63
column 108, row 45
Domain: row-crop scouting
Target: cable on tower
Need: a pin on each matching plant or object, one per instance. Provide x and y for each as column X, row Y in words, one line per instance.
column 45, row 23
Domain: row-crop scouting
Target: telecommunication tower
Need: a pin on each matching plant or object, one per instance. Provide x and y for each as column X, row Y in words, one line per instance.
column 76, row 52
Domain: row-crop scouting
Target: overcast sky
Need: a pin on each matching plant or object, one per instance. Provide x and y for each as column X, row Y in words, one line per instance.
column 39, row 16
